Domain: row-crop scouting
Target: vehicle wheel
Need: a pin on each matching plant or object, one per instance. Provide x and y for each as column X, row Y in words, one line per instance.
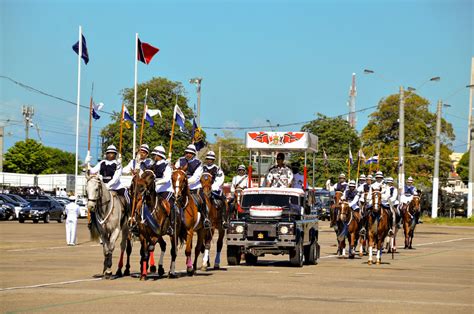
column 310, row 254
column 233, row 255
column 61, row 218
column 251, row 259
column 46, row 219
column 21, row 220
column 35, row 221
column 297, row 254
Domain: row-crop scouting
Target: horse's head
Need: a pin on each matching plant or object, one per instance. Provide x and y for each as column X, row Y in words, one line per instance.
column 94, row 190
column 337, row 198
column 415, row 203
column 206, row 182
column 345, row 212
column 376, row 199
column 179, row 180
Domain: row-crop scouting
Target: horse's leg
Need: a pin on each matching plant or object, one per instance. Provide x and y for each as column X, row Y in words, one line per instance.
column 123, row 246
column 108, row 250
column 151, row 261
column 144, row 258
column 371, row 246
column 406, row 229
column 162, row 242
column 411, row 234
column 207, row 247
column 352, row 243
column 129, row 252
column 199, row 244
column 189, row 243
column 220, row 244
column 172, row 272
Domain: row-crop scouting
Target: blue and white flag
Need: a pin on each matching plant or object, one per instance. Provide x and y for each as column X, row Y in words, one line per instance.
column 127, row 117
column 149, row 114
column 361, row 154
column 351, row 160
column 179, row 117
column 372, row 160
column 96, row 108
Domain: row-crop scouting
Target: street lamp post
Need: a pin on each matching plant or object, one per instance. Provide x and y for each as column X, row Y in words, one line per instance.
column 197, row 81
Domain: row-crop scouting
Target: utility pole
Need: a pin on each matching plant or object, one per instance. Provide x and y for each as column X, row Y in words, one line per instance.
column 197, row 81
column 471, row 169
column 401, row 143
column 434, row 205
column 28, row 113
column 2, row 132
column 220, row 156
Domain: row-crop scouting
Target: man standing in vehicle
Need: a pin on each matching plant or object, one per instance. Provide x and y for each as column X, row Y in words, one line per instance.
column 280, row 175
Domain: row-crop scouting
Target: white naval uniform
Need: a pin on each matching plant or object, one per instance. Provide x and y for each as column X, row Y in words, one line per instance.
column 72, row 212
column 114, row 183
column 239, row 182
column 140, row 165
column 194, row 181
column 164, row 184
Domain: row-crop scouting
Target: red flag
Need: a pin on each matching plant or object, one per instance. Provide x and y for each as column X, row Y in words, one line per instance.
column 146, row 52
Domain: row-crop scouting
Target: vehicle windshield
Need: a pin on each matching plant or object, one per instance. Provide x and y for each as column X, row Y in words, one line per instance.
column 325, row 200
column 269, row 199
column 39, row 204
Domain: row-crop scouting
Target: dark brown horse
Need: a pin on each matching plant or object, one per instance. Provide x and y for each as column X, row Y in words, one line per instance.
column 349, row 228
column 334, row 213
column 409, row 222
column 193, row 222
column 378, row 225
column 216, row 216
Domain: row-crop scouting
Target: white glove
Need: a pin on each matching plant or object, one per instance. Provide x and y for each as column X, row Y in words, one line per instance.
column 119, row 160
column 88, row 159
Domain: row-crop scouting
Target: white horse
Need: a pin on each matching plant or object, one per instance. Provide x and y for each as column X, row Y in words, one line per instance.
column 107, row 221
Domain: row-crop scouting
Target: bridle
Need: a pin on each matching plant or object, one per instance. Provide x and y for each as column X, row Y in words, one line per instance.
column 179, row 189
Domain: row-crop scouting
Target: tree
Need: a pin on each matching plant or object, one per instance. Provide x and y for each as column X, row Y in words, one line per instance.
column 34, row 158
column 161, row 95
column 463, row 167
column 335, row 135
column 233, row 153
column 380, row 137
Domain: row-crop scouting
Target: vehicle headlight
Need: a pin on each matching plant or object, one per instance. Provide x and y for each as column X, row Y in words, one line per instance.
column 239, row 229
column 284, row 230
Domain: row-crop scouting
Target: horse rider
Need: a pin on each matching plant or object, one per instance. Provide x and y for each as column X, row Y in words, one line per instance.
column 361, row 181
column 298, row 178
column 139, row 164
column 217, row 182
column 340, row 186
column 407, row 196
column 390, row 197
column 163, row 186
column 279, row 175
column 365, row 197
column 110, row 171
column 240, row 181
column 351, row 196
column 379, row 184
column 194, row 172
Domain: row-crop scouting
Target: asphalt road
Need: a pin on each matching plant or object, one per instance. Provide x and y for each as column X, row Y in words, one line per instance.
column 39, row 273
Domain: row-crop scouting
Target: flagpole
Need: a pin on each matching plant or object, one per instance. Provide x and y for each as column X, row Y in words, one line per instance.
column 378, row 159
column 370, row 164
column 135, row 94
column 90, row 128
column 79, row 55
column 358, row 167
column 172, row 133
column 121, row 130
column 143, row 118
column 349, row 165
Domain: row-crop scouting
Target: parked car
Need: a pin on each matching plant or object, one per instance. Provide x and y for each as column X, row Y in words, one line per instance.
column 62, row 200
column 7, row 211
column 42, row 209
column 7, row 199
column 18, row 198
column 323, row 204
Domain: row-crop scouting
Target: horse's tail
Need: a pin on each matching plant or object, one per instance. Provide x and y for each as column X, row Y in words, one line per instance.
column 183, row 234
column 94, row 230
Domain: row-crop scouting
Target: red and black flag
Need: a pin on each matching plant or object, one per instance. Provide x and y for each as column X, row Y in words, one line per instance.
column 146, row 52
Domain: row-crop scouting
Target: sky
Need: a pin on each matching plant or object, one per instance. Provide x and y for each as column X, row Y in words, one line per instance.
column 281, row 61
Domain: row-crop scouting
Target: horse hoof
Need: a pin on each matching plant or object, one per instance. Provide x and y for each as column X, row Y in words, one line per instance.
column 204, row 267
column 378, row 262
column 119, row 273
column 361, row 254
column 172, row 275
column 190, row 271
column 153, row 269
column 406, row 247
column 107, row 275
column 217, row 266
column 126, row 272
column 161, row 270
column 351, row 256
column 142, row 277
column 369, row 262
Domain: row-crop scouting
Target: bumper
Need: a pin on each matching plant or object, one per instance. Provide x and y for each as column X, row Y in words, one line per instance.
column 31, row 216
column 280, row 245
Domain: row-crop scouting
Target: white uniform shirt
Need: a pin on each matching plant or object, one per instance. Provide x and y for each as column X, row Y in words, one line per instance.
column 279, row 176
column 298, row 180
column 218, row 180
column 134, row 165
column 194, row 181
column 239, row 182
column 164, row 184
column 114, row 183
column 72, row 211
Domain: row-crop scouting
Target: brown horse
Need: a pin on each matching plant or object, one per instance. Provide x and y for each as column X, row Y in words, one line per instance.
column 216, row 216
column 409, row 222
column 378, row 226
column 154, row 224
column 192, row 220
column 349, row 228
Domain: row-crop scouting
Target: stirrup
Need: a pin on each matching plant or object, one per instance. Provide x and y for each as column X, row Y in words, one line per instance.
column 170, row 231
column 362, row 231
column 390, row 233
column 207, row 223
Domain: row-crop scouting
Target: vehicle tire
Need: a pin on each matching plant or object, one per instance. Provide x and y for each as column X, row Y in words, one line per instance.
column 251, row 259
column 297, row 254
column 35, row 221
column 310, row 254
column 233, row 255
column 46, row 219
column 21, row 220
column 61, row 218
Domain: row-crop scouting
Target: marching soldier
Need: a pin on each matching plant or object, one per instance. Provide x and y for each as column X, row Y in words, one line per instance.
column 194, row 172
column 163, row 186
column 279, row 175
column 141, row 164
column 217, row 182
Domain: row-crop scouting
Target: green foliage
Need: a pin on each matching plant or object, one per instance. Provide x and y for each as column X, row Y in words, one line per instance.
column 162, row 96
column 380, row 136
column 34, row 158
column 233, row 153
column 335, row 135
column 463, row 168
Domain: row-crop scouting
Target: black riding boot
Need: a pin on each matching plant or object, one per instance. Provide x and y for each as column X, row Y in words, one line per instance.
column 91, row 217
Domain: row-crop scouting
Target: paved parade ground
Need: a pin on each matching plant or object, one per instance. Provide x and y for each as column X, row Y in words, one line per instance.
column 39, row 273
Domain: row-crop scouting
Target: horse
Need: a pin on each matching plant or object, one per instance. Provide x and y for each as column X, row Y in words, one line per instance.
column 334, row 213
column 348, row 221
column 152, row 215
column 236, row 203
column 408, row 213
column 109, row 220
column 216, row 216
column 192, row 220
column 378, row 226
column 364, row 206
